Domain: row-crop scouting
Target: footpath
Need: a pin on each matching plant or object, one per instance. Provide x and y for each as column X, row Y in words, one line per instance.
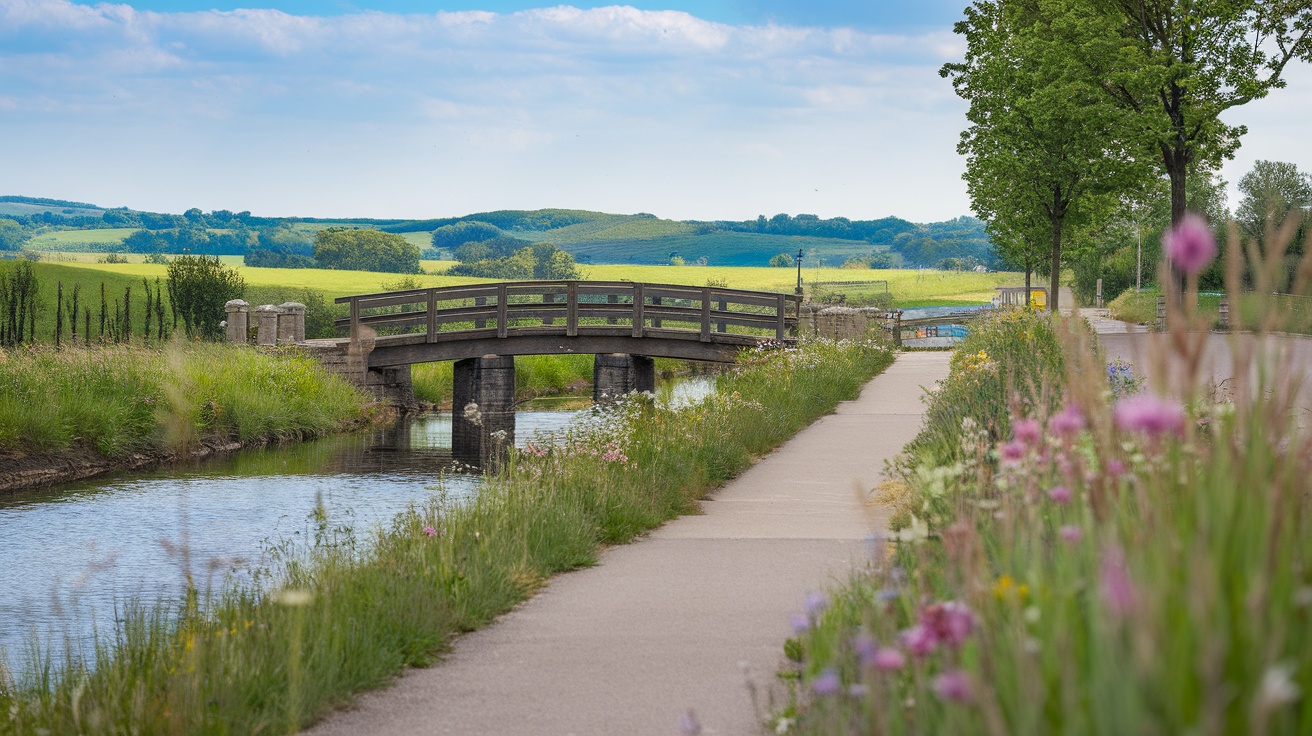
column 691, row 617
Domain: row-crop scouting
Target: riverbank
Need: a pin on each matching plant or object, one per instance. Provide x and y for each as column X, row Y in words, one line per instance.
column 72, row 413
column 348, row 618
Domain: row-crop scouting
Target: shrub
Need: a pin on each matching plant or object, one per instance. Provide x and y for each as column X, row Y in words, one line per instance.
column 783, row 260
column 198, row 288
column 365, row 250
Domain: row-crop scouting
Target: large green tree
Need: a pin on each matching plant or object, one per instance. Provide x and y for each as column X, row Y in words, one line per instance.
column 365, row 250
column 1176, row 65
column 1272, row 190
column 1042, row 143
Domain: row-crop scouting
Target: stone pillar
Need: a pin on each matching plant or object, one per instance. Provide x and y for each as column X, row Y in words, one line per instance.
column 291, row 322
column 616, row 374
column 238, row 320
column 483, row 410
column 267, row 325
column 391, row 385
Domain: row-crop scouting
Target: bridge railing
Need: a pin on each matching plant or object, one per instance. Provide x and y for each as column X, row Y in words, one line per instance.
column 570, row 308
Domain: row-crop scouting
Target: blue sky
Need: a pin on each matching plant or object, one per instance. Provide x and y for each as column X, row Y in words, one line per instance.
column 724, row 109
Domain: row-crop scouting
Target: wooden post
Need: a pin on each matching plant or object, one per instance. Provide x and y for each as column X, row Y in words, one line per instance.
column 1160, row 322
column 572, row 313
column 1224, row 316
column 721, row 326
column 355, row 318
column 656, row 321
column 480, row 301
column 638, row 308
column 780, row 322
column 502, row 311
column 706, row 315
column 612, row 299
column 431, row 308
column 548, row 298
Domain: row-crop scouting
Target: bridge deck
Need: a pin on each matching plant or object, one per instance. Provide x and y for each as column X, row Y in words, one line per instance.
column 541, row 317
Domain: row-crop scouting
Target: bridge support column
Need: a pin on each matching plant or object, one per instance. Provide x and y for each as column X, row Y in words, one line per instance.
column 616, row 374
column 483, row 410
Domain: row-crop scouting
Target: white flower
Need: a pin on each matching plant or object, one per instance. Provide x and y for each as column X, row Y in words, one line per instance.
column 1277, row 687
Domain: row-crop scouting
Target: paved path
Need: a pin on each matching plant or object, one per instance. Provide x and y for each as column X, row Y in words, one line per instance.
column 681, row 619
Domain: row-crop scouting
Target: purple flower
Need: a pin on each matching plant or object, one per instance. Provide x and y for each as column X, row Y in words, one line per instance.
column 827, row 683
column 1115, row 469
column 1067, row 422
column 1070, row 534
column 689, row 725
column 800, row 622
column 1150, row 414
column 950, row 622
column 1060, row 494
column 1190, row 245
column 953, row 685
column 919, row 640
column 1012, row 452
column 857, row 690
column 1117, row 589
column 1027, row 431
column 815, row 604
column 888, row 659
column 430, row 531
column 866, row 648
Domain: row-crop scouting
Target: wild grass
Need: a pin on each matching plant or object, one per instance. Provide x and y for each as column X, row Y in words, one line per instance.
column 347, row 616
column 1124, row 560
column 120, row 400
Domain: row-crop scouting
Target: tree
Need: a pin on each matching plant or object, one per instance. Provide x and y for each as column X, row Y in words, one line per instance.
column 1043, row 143
column 1272, row 190
column 12, row 235
column 365, row 250
column 198, row 288
column 1176, row 65
column 783, row 260
column 455, row 235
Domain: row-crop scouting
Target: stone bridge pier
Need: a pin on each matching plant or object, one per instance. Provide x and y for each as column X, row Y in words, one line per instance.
column 483, row 410
column 616, row 374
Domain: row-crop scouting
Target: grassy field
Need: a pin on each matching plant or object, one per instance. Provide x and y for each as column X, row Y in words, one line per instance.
column 60, row 239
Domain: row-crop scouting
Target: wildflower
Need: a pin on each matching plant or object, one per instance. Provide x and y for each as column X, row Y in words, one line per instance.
column 1067, row 422
column 1027, row 431
column 827, row 683
column 953, row 685
column 1114, row 581
column 950, row 622
column 866, row 649
column 815, row 604
column 430, row 531
column 1190, row 245
column 1277, row 687
column 1006, row 589
column 799, row 622
column 1070, row 534
column 856, row 690
column 1012, row 452
column 1115, row 469
column 1150, row 414
column 888, row 659
column 689, row 725
column 919, row 640
column 1060, row 494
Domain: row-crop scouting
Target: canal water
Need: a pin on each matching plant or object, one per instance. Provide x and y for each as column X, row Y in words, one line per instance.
column 73, row 555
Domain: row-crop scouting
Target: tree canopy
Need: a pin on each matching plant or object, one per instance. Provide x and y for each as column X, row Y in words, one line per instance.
column 365, row 250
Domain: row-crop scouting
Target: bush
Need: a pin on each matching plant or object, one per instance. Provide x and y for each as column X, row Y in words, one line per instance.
column 365, row 250
column 199, row 286
column 783, row 260
column 468, row 231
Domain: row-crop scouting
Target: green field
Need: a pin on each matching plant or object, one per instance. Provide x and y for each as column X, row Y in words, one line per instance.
column 60, row 239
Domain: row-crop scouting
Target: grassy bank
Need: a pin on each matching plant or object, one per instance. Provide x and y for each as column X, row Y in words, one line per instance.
column 1108, row 560
column 349, row 617
column 120, row 400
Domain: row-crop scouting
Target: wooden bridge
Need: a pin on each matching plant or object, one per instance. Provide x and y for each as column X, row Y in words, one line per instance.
column 543, row 317
column 482, row 327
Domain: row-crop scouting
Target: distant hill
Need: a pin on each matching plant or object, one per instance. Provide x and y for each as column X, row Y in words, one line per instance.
column 592, row 237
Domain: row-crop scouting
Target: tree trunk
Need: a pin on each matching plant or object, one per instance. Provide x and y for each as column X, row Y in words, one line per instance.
column 1028, row 270
column 1056, row 265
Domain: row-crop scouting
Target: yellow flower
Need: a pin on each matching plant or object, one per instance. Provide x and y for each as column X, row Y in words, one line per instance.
column 1006, row 589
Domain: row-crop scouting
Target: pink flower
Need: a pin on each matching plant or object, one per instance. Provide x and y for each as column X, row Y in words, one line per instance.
column 1027, row 431
column 1149, row 414
column 1070, row 534
column 1067, row 422
column 430, row 531
column 919, row 640
column 953, row 685
column 1117, row 589
column 1060, row 494
column 1011, row 452
column 1190, row 245
column 950, row 622
column 888, row 659
column 1115, row 469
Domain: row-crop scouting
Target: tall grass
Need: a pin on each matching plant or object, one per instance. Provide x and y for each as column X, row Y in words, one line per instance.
column 535, row 375
column 348, row 616
column 1120, row 563
column 120, row 400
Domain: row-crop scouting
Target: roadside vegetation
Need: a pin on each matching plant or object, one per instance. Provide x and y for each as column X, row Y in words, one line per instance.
column 1076, row 549
column 351, row 611
column 118, row 400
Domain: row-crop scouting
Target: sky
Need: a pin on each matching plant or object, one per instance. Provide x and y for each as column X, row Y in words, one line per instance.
column 725, row 109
